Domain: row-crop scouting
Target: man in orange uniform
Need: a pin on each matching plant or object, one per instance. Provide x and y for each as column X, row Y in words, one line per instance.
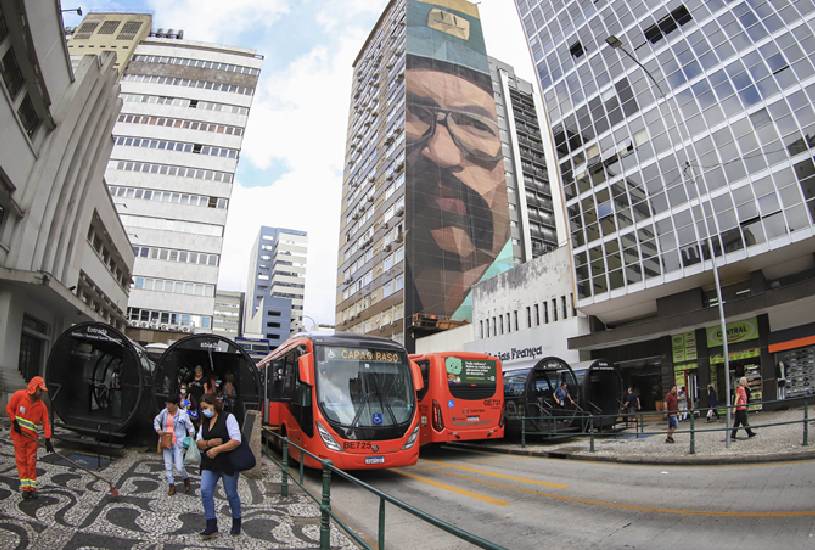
column 26, row 410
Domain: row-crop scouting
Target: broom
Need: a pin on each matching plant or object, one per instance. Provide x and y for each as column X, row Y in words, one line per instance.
column 114, row 492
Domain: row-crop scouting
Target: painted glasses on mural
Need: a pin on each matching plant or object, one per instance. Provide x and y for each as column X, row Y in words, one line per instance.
column 455, row 174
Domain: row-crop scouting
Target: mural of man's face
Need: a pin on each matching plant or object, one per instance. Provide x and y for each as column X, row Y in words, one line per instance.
column 460, row 213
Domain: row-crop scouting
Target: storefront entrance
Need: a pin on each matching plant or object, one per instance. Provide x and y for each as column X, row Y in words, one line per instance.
column 644, row 375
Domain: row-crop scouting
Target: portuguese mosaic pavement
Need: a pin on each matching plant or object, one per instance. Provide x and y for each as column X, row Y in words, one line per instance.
column 75, row 511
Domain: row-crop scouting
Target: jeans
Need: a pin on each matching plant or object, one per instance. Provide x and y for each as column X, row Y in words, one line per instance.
column 209, row 479
column 174, row 455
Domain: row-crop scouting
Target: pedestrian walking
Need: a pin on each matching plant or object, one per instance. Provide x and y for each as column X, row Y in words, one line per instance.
column 712, row 403
column 683, row 404
column 172, row 425
column 562, row 395
column 631, row 403
column 672, row 406
column 741, row 410
column 219, row 434
column 196, row 385
column 26, row 410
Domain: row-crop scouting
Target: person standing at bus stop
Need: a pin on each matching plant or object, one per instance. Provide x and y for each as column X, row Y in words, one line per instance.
column 672, row 406
column 26, row 410
column 172, row 425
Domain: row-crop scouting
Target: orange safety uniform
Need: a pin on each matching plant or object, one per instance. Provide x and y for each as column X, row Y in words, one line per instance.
column 28, row 413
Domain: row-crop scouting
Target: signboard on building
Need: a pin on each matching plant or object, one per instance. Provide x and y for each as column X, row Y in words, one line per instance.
column 737, row 331
column 684, row 347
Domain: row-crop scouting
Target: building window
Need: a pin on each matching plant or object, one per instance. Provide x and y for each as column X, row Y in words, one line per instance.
column 515, row 312
column 554, row 309
column 546, row 313
column 528, row 317
column 501, row 323
column 494, row 327
column 668, row 24
column 576, row 50
column 537, row 316
column 12, row 76
column 481, row 328
column 563, row 306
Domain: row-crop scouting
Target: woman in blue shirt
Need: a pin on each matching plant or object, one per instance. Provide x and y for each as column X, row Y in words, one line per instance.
column 174, row 420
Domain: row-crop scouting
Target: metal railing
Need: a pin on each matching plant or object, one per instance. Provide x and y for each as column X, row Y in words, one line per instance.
column 324, row 501
column 586, row 427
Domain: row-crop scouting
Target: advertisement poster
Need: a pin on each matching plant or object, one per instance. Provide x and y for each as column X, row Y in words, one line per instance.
column 470, row 371
column 458, row 229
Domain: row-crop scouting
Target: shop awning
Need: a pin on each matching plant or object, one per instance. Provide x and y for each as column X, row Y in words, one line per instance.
column 792, row 344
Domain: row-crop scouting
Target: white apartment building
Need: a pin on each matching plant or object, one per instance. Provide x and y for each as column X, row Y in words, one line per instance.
column 227, row 314
column 64, row 255
column 171, row 172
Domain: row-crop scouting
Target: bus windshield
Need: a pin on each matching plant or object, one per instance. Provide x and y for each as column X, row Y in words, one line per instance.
column 364, row 387
column 471, row 378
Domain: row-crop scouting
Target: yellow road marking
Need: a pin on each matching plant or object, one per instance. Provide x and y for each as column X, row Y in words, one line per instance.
column 498, row 475
column 596, row 502
column 446, row 487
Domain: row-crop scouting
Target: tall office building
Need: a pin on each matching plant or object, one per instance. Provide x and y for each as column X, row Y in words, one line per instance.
column 64, row 254
column 685, row 129
column 531, row 206
column 175, row 151
column 276, row 283
column 425, row 211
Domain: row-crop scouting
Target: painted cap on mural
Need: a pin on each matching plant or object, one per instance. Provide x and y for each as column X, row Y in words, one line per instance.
column 447, row 30
column 36, row 383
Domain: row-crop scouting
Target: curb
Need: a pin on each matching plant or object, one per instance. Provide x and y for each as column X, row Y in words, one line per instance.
column 642, row 460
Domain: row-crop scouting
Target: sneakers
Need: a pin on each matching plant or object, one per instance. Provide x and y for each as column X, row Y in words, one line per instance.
column 187, row 486
column 171, row 490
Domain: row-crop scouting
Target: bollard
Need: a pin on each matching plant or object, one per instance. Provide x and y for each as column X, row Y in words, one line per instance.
column 806, row 426
column 381, row 523
column 523, row 432
column 284, row 469
column 301, row 472
column 642, row 425
column 325, row 508
column 591, row 433
column 692, row 419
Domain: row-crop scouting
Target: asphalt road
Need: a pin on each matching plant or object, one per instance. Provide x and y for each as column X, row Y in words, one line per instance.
column 526, row 502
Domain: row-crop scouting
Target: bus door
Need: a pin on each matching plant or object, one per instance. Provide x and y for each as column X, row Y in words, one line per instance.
column 300, row 403
column 425, row 406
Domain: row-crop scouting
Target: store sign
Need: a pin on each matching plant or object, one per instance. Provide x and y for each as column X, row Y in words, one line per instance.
column 518, row 353
column 684, row 347
column 737, row 331
column 718, row 358
column 680, row 370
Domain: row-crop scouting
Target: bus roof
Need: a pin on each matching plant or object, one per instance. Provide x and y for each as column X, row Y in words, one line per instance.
column 332, row 338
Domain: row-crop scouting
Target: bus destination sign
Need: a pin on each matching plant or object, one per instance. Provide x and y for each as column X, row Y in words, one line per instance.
column 362, row 354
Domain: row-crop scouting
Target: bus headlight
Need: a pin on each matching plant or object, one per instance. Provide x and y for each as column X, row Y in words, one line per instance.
column 411, row 441
column 328, row 439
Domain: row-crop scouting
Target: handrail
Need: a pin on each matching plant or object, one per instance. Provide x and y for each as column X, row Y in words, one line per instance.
column 325, row 502
column 692, row 430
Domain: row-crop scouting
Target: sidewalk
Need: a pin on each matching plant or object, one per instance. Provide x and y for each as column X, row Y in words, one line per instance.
column 76, row 511
column 772, row 443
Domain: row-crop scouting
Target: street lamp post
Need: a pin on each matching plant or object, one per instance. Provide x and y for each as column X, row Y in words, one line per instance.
column 617, row 44
column 313, row 322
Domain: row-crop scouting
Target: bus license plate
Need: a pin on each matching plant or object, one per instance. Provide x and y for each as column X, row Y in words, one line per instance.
column 375, row 460
column 473, row 418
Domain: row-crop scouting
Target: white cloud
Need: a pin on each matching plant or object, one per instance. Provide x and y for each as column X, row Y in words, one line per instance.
column 217, row 20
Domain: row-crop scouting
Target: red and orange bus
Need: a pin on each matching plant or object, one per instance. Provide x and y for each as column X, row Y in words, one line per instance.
column 346, row 398
column 462, row 398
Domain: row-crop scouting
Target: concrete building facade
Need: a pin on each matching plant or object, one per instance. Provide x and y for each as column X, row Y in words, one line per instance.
column 425, row 211
column 277, row 272
column 119, row 33
column 684, row 135
column 227, row 317
column 532, row 209
column 171, row 172
column 64, row 254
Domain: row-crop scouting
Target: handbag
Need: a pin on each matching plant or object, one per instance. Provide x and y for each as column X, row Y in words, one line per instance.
column 165, row 440
column 241, row 458
column 192, row 456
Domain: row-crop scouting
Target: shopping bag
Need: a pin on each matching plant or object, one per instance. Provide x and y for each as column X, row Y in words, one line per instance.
column 187, row 442
column 241, row 458
column 192, row 457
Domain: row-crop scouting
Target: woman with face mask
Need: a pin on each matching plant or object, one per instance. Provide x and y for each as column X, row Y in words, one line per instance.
column 219, row 434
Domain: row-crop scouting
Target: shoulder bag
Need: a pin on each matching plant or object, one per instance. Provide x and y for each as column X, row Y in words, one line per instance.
column 241, row 458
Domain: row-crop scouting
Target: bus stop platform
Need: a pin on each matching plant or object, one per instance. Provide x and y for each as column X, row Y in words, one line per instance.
column 74, row 510
column 772, row 443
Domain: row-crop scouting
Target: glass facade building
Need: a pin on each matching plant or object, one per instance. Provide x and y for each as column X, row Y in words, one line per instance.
column 695, row 133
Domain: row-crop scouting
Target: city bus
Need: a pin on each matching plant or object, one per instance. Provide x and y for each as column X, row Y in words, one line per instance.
column 347, row 398
column 462, row 398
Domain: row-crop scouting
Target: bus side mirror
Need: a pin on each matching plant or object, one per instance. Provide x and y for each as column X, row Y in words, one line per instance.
column 416, row 372
column 304, row 372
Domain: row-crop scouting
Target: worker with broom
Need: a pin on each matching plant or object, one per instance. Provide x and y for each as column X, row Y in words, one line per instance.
column 26, row 410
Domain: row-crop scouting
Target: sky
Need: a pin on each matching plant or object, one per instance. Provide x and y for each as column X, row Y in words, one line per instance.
column 290, row 171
